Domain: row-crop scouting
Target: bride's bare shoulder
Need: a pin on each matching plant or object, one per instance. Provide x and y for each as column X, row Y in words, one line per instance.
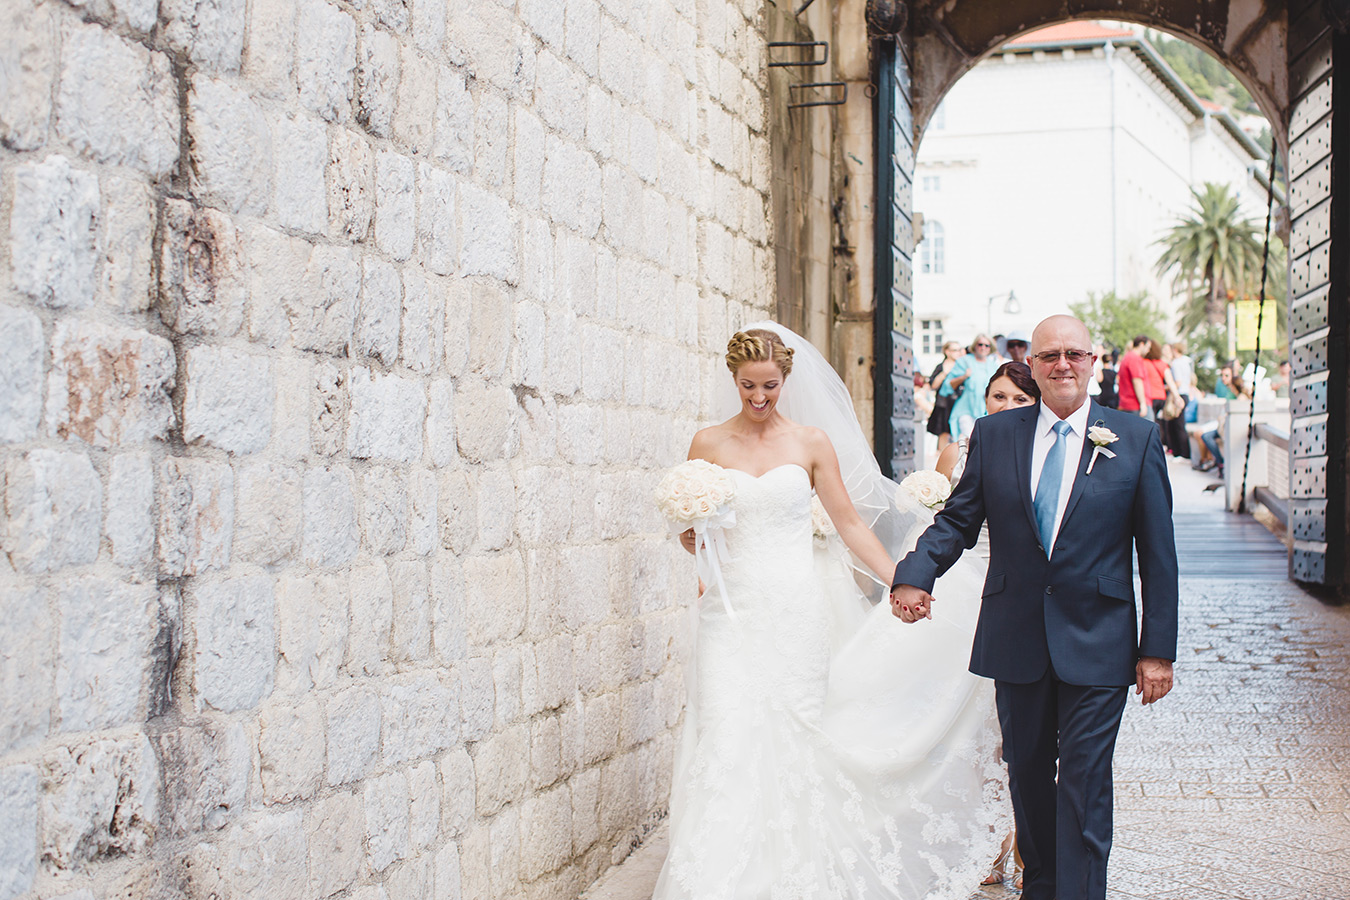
column 707, row 441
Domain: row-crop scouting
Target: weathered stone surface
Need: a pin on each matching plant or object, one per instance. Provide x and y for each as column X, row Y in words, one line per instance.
column 395, row 204
column 299, row 196
column 506, row 681
column 476, row 698
column 372, row 599
column 377, row 80
column 496, row 47
column 325, row 59
column 496, row 597
column 209, row 32
column 457, row 791
column 415, row 116
column 25, row 666
column 28, row 43
column 384, row 510
column 53, row 511
column 328, row 426
column 221, row 119
column 101, row 799
column 421, row 718
column 260, row 857
column 424, row 818
column 21, row 352
column 335, row 829
column 496, row 507
column 228, row 402
column 546, row 833
column 423, row 525
column 386, row 799
column 387, row 416
column 312, row 625
column 441, row 442
column 351, row 185
column 447, row 610
column 437, row 226
column 128, row 227
column 235, row 630
column 196, row 515
column 330, row 531
column 485, row 420
column 269, row 53
column 488, row 235
column 353, row 734
column 502, row 768
column 203, row 285
column 268, row 513
column 18, row 830
column 423, row 323
column 457, row 511
column 53, row 232
column 276, row 268
column 453, row 135
column 294, row 377
column 108, row 385
column 490, row 331
column 321, row 315
column 412, row 610
column 104, row 659
column 117, row 102
column 290, row 747
column 428, row 26
column 378, row 312
column 213, row 762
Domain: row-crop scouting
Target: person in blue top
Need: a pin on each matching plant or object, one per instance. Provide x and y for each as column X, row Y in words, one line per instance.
column 970, row 376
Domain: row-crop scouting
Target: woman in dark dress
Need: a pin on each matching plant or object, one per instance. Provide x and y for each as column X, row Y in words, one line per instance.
column 939, row 420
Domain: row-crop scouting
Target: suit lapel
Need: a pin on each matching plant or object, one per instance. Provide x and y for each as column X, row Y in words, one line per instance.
column 1080, row 479
column 1022, row 447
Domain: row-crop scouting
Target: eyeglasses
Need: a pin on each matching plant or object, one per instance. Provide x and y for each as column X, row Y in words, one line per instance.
column 1051, row 357
column 983, row 344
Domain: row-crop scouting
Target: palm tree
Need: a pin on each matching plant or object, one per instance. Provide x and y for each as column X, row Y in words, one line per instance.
column 1214, row 253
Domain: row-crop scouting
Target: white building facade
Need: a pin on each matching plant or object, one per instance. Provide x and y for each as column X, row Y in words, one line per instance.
column 1051, row 170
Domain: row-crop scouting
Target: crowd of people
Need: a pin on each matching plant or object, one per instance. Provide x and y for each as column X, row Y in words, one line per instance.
column 1152, row 379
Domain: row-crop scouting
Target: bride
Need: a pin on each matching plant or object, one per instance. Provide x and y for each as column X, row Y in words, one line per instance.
column 828, row 752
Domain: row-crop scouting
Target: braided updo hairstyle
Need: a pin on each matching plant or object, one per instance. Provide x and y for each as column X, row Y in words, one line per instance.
column 758, row 345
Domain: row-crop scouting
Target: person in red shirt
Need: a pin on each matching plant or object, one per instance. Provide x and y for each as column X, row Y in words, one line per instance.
column 1132, row 379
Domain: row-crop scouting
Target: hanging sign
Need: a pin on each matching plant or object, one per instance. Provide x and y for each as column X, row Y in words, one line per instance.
column 1246, row 313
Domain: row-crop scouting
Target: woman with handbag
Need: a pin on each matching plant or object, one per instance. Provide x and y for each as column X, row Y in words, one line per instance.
column 939, row 421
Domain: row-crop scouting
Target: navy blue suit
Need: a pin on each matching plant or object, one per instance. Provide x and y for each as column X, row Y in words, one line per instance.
column 1058, row 632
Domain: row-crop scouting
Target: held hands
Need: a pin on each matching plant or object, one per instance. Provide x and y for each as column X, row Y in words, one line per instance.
column 1153, row 678
column 910, row 604
column 687, row 539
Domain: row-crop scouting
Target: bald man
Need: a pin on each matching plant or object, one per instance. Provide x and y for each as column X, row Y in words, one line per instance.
column 1072, row 491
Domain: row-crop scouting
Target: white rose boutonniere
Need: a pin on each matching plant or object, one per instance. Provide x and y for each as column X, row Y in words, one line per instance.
column 1100, row 437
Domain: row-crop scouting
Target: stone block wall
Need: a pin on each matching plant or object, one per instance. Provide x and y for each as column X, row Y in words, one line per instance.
column 341, row 343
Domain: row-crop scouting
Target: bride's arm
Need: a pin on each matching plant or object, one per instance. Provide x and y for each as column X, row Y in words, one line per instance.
column 834, row 497
column 699, row 448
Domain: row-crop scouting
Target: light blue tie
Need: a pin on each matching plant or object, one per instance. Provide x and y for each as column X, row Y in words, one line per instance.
column 1046, row 503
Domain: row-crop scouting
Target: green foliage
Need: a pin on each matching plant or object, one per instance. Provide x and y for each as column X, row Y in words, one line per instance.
column 1203, row 73
column 1114, row 320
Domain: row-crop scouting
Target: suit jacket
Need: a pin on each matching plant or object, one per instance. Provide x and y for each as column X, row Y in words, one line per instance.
column 1076, row 609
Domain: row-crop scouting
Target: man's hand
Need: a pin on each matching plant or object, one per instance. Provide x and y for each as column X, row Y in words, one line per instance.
column 910, row 604
column 1153, row 678
column 688, row 539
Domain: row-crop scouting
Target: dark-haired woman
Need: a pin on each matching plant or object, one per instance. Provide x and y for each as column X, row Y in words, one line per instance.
column 1011, row 386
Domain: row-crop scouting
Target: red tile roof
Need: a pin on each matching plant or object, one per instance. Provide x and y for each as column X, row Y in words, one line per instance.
column 1069, row 32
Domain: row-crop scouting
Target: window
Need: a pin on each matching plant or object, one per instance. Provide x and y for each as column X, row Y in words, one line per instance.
column 930, row 336
column 932, row 250
column 932, row 184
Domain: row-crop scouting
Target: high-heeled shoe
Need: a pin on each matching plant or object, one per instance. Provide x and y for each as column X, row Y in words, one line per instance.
column 1005, row 868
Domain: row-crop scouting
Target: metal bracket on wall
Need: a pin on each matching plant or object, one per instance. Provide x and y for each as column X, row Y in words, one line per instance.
column 837, row 101
column 800, row 62
column 801, row 9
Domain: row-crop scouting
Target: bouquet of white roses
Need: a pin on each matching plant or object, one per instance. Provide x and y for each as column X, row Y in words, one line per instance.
column 928, row 486
column 697, row 495
column 822, row 529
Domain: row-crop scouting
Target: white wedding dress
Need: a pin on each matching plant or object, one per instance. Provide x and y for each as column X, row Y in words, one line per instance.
column 830, row 751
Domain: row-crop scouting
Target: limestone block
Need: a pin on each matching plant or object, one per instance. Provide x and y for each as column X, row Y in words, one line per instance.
column 377, row 78
column 276, row 266
column 423, row 524
column 504, row 843
column 621, row 55
column 496, row 507
column 555, row 680
column 539, row 429
column 53, row 231
column 228, row 402
column 602, row 717
column 423, row 323
column 290, row 747
column 353, row 734
column 447, row 610
column 378, row 312
column 372, row 600
column 269, row 54
column 502, row 768
column 325, row 59
column 53, row 511
column 453, row 130
column 495, row 598
column 477, row 693
column 328, row 425
column 618, row 793
column 108, row 385
column 485, row 420
column 290, row 414
column 260, row 857
column 600, row 113
column 330, row 536
column 425, row 810
column 387, row 416
column 412, row 610
column 351, row 185
column 209, row 32
column 211, row 765
column 585, row 790
column 392, row 14
column 564, row 359
column 496, row 48
column 18, row 830
column 268, row 513
column 642, row 720
column 437, row 228
column 506, row 684
column 546, row 762
column 536, row 274
column 384, row 510
column 235, row 630
column 300, row 196
column 490, row 336
column 99, row 800
column 571, row 722
column 428, row 26
column 104, row 659
column 457, row 511
column 28, row 44
column 321, row 317
column 196, row 515
column 25, row 671
column 312, row 623
column 395, row 204
column 334, row 829
column 421, row 718
column 203, row 285
column 488, row 236
column 21, row 353
column 581, row 38
column 458, row 308
column 528, row 159
column 492, row 143
column 386, row 799
column 221, row 119
column 411, row 880
column 577, row 426
column 545, row 833
column 457, row 787
column 476, row 862
column 126, row 239
column 560, row 94
column 415, row 116
column 441, row 422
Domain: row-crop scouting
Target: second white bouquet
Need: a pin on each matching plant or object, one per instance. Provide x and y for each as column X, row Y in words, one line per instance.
column 697, row 494
column 928, row 486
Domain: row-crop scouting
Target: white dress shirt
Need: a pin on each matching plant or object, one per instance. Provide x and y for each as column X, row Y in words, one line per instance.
column 1073, row 454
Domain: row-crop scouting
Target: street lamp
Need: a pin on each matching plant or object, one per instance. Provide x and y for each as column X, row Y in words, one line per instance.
column 1010, row 308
